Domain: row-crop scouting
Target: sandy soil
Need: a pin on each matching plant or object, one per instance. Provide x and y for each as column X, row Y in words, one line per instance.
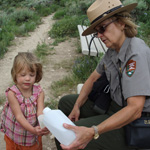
column 64, row 51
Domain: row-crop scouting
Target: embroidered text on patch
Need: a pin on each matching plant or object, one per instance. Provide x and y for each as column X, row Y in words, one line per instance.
column 130, row 67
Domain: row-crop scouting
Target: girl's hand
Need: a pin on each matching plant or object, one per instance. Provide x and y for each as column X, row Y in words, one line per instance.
column 75, row 113
column 83, row 136
column 45, row 131
column 40, row 132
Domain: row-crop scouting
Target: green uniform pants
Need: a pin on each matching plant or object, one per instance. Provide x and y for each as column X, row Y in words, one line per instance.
column 112, row 140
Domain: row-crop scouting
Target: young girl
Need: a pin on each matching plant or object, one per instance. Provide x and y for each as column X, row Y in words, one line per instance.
column 25, row 102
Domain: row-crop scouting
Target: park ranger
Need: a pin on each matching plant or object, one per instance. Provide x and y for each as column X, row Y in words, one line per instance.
column 128, row 56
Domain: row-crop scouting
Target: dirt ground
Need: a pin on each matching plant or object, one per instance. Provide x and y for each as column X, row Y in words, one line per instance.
column 64, row 51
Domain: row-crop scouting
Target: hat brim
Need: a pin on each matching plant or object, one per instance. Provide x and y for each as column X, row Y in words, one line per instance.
column 91, row 29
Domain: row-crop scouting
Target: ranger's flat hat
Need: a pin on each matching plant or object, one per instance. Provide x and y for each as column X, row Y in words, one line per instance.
column 103, row 9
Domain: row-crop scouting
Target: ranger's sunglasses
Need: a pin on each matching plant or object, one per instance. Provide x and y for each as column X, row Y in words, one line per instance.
column 101, row 29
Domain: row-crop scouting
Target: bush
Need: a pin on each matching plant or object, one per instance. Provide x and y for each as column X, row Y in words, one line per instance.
column 60, row 14
column 6, row 36
column 35, row 3
column 84, row 66
column 66, row 27
column 46, row 10
column 22, row 15
column 61, row 2
column 10, row 10
column 73, row 14
column 64, row 85
column 142, row 18
column 18, row 17
column 3, row 19
column 6, row 33
column 5, row 4
column 23, row 29
column 42, row 51
column 77, row 7
column 17, row 23
column 3, row 48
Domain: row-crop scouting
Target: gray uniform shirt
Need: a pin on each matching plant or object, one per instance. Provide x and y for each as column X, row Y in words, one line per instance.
column 134, row 57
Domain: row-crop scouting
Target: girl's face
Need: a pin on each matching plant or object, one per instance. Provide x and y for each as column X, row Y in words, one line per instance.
column 113, row 35
column 25, row 79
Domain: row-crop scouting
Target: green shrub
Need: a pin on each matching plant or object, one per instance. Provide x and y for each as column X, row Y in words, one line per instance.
column 10, row 10
column 18, row 23
column 84, row 66
column 54, row 7
column 43, row 11
column 52, row 104
column 64, row 85
column 144, row 32
column 3, row 19
column 3, row 48
column 7, row 3
column 59, row 40
column 23, row 29
column 30, row 26
column 42, row 50
column 60, row 14
column 2, row 100
column 18, row 17
column 35, row 3
column 61, row 2
column 24, row 21
column 22, row 15
column 66, row 27
column 7, row 37
column 77, row 7
column 46, row 10
column 142, row 18
column 6, row 33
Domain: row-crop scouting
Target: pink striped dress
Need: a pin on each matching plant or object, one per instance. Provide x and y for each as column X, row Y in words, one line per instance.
column 9, row 124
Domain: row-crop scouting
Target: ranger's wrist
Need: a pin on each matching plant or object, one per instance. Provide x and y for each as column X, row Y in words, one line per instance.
column 96, row 134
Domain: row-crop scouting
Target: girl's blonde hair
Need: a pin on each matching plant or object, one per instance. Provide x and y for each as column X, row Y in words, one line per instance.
column 130, row 27
column 26, row 59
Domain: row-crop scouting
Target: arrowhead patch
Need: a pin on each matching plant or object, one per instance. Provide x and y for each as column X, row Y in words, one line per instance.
column 130, row 67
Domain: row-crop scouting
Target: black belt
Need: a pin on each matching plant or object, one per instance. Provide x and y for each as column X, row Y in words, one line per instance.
column 147, row 114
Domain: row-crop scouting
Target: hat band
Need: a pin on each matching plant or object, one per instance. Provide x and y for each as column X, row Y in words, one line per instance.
column 107, row 12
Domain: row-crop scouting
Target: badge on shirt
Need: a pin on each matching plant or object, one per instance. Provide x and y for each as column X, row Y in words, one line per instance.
column 130, row 67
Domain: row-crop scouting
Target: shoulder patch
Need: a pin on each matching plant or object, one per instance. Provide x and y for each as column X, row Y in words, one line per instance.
column 130, row 67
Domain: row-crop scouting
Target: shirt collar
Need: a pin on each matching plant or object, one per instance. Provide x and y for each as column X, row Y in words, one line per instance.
column 123, row 50
column 115, row 57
